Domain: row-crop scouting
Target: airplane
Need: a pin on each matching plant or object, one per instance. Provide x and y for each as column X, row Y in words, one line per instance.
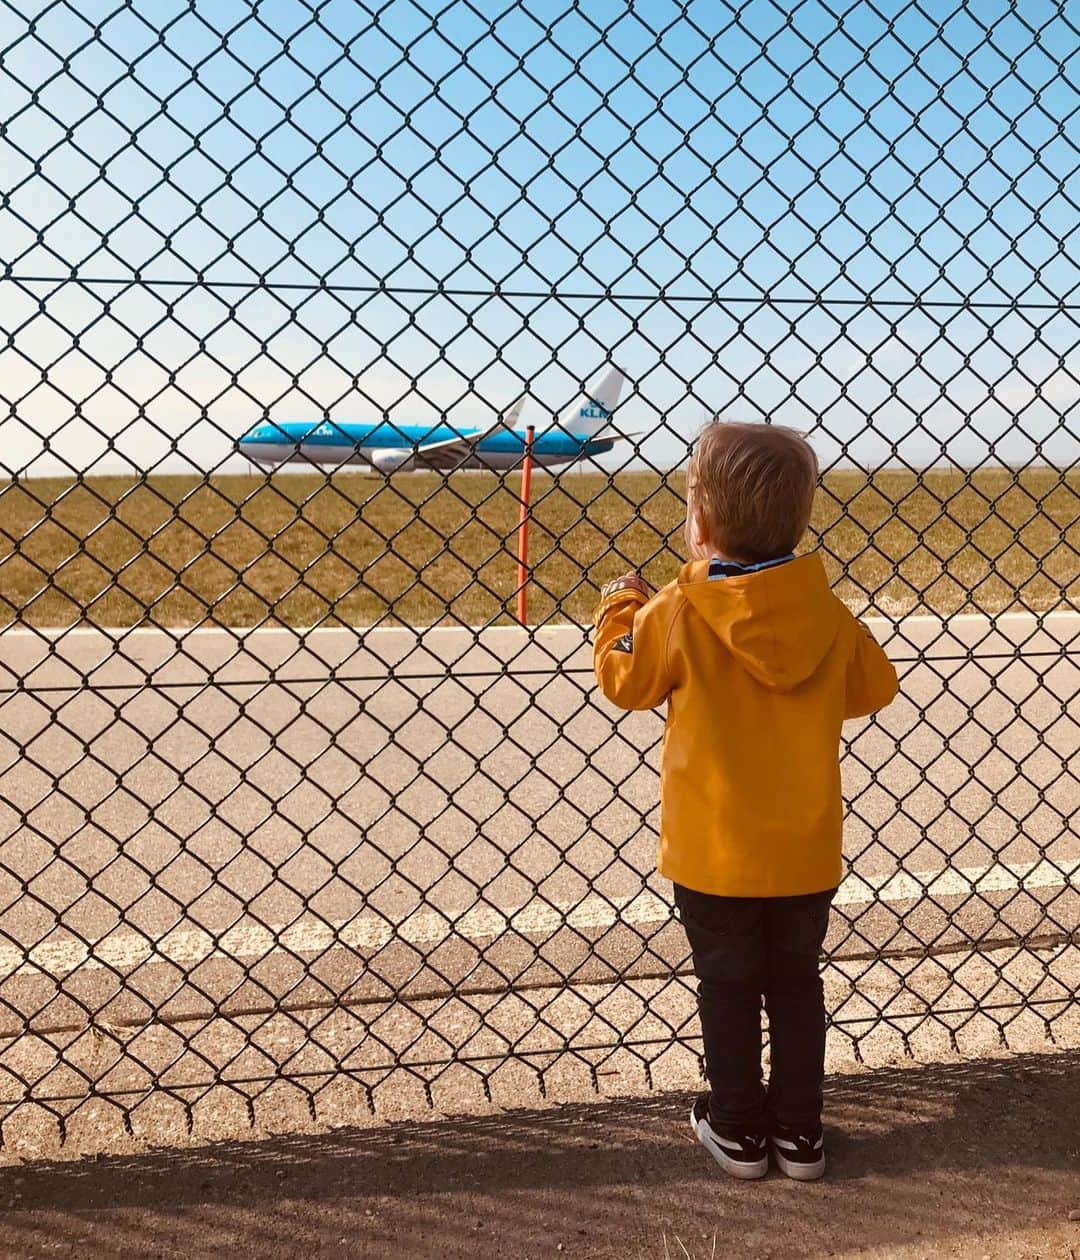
column 390, row 448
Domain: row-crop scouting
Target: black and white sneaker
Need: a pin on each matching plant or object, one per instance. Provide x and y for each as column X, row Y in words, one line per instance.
column 799, row 1155
column 743, row 1155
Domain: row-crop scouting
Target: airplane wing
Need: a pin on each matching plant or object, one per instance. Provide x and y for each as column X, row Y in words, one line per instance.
column 449, row 453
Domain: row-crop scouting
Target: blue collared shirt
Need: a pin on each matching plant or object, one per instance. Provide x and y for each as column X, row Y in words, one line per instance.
column 731, row 568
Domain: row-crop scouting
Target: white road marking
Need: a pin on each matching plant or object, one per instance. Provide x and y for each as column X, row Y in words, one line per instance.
column 360, row 631
column 368, row 931
column 88, row 658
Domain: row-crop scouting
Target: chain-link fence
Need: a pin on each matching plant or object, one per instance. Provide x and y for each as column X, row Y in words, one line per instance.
column 287, row 800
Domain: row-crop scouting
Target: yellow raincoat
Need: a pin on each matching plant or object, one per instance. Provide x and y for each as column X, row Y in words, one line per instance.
column 759, row 671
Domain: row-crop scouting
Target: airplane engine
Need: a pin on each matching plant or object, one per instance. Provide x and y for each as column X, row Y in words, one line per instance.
column 389, row 461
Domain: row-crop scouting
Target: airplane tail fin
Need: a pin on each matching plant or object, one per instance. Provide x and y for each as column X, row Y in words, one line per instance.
column 592, row 411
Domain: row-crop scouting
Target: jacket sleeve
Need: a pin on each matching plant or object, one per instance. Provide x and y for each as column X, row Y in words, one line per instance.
column 871, row 676
column 630, row 651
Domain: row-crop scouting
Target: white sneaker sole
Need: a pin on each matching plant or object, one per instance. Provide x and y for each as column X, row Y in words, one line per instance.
column 797, row 1171
column 736, row 1167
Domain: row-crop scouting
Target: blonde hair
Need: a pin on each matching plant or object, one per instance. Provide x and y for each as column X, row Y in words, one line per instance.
column 753, row 485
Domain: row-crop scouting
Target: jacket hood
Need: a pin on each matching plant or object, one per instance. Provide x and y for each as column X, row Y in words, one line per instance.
column 778, row 623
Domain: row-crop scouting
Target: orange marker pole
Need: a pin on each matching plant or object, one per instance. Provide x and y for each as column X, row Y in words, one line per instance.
column 523, row 528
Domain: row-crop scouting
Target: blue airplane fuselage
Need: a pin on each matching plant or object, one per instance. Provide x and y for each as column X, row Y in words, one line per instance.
column 384, row 444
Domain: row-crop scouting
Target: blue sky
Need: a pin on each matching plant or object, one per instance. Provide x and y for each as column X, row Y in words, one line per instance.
column 820, row 213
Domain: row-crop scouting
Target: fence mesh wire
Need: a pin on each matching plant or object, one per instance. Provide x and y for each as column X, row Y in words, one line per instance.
column 285, row 795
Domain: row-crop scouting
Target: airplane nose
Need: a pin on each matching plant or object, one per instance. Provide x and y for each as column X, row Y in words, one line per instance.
column 246, row 441
column 261, row 448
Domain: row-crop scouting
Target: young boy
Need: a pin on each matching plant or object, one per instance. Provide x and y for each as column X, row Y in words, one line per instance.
column 760, row 664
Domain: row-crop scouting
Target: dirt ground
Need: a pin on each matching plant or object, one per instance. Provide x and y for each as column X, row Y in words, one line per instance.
column 967, row 1160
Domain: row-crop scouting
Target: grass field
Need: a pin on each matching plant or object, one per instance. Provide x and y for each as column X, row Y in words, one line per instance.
column 419, row 549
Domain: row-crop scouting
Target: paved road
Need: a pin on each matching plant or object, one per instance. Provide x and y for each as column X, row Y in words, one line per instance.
column 267, row 818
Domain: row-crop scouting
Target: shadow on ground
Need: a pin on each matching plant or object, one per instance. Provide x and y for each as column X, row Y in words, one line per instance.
column 958, row 1159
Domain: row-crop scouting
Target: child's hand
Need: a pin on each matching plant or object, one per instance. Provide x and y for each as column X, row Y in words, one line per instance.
column 628, row 582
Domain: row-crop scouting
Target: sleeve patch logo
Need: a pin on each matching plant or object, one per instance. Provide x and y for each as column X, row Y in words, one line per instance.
column 625, row 644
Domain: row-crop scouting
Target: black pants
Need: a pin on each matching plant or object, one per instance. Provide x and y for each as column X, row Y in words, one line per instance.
column 744, row 948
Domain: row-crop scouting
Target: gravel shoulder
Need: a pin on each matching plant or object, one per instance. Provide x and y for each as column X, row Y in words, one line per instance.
column 966, row 1160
